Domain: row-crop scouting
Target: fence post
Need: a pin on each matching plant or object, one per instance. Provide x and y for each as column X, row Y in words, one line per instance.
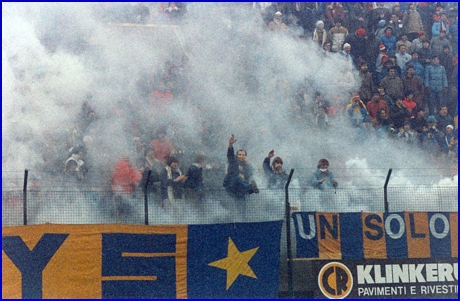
column 146, row 200
column 385, row 196
column 24, row 197
column 288, row 234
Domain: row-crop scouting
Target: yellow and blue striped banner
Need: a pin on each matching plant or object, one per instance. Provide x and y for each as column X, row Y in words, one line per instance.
column 131, row 261
column 394, row 235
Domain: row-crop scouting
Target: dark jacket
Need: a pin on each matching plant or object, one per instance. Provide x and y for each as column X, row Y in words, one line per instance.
column 234, row 168
column 194, row 178
column 177, row 187
column 275, row 180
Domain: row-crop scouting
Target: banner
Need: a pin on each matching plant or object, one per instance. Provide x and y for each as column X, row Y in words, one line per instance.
column 426, row 278
column 376, row 235
column 239, row 260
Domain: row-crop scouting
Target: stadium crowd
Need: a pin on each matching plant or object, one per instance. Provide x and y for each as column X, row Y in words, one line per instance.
column 405, row 54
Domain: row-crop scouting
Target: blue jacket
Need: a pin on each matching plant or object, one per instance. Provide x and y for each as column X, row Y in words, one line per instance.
column 389, row 43
column 419, row 70
column 318, row 175
column 435, row 77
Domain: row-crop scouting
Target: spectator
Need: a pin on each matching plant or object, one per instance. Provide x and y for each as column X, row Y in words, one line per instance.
column 431, row 137
column 277, row 24
column 402, row 57
column 347, row 56
column 323, row 178
column 412, row 22
column 356, row 16
column 442, row 25
column 335, row 13
column 321, row 120
column 425, row 54
column 374, row 106
column 125, row 179
column 417, row 44
column 397, row 25
column 320, row 35
column 367, row 84
column 397, row 11
column 327, row 49
column 381, row 61
column 275, row 174
column 161, row 148
column 74, row 169
column 414, row 84
column 172, row 184
column 239, row 179
column 419, row 70
column 399, row 113
column 389, row 40
column 357, row 112
column 417, row 122
column 448, row 140
column 435, row 84
column 384, row 96
column 338, row 35
column 393, row 85
column 359, row 45
column 383, row 124
column 454, row 35
column 446, row 59
column 438, row 43
column 406, row 134
column 409, row 103
column 380, row 13
column 404, row 41
column 194, row 182
column 443, row 118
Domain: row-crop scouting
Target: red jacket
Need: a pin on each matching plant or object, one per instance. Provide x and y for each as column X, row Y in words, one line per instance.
column 125, row 178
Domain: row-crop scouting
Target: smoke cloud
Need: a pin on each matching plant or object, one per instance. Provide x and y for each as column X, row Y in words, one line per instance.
column 240, row 80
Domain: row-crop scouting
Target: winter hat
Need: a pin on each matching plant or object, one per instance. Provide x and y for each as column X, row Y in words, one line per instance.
column 346, row 45
column 431, row 119
column 382, row 47
column 450, row 127
column 421, row 32
column 382, row 23
column 360, row 32
column 356, row 98
column 278, row 13
column 319, row 22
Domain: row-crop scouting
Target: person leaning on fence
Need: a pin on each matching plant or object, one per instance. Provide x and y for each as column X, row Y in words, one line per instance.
column 275, row 174
column 323, row 178
column 238, row 181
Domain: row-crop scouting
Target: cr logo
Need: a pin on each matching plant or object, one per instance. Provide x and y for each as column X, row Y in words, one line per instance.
column 335, row 280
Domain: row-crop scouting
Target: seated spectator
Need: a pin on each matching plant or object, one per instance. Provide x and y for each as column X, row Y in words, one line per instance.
column 194, row 183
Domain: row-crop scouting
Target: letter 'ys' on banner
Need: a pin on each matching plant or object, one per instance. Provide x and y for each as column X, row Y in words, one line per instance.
column 239, row 260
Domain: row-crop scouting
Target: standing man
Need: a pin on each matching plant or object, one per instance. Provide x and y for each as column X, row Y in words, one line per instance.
column 435, row 84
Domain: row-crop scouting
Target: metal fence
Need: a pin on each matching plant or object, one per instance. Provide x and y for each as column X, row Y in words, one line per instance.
column 38, row 204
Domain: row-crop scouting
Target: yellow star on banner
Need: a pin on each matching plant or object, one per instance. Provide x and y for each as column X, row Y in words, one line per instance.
column 235, row 263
